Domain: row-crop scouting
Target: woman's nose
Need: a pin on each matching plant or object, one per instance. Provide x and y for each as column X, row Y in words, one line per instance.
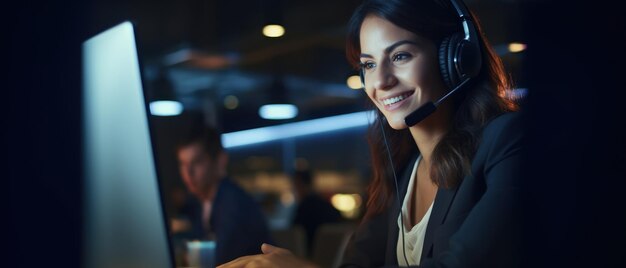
column 383, row 78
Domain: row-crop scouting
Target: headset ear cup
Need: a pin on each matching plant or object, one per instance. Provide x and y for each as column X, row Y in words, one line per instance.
column 443, row 61
column 447, row 53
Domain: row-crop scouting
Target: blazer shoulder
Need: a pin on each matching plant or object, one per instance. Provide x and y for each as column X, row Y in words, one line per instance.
column 504, row 129
column 507, row 122
column 230, row 195
column 502, row 137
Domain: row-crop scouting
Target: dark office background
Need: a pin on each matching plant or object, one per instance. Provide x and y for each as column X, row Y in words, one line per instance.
column 41, row 133
column 576, row 168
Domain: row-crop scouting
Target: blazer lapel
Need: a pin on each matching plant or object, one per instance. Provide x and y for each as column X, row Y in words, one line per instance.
column 443, row 200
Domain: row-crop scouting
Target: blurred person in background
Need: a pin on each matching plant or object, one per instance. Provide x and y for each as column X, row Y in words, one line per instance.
column 221, row 210
column 313, row 210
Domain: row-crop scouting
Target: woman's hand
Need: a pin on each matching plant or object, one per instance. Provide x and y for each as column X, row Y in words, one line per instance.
column 272, row 257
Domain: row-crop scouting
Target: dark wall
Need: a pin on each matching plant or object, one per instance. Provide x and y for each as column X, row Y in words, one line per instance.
column 576, row 169
column 41, row 133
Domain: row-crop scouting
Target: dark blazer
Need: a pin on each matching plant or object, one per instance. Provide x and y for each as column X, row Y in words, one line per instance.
column 476, row 224
column 237, row 223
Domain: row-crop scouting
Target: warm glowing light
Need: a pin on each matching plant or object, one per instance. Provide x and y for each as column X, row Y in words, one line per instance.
column 166, row 108
column 231, row 102
column 354, row 82
column 343, row 202
column 346, row 202
column 278, row 111
column 273, row 30
column 517, row 47
column 357, row 200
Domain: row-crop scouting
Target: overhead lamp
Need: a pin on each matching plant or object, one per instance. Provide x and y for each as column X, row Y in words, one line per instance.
column 163, row 101
column 279, row 108
column 516, row 47
column 273, row 30
column 273, row 13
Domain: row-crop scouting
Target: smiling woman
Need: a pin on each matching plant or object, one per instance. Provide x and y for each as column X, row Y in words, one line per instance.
column 399, row 69
column 456, row 202
column 412, row 54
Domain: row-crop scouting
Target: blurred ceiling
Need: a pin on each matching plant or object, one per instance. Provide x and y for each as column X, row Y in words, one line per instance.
column 212, row 49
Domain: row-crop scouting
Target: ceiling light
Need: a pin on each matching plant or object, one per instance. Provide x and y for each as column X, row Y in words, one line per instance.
column 279, row 107
column 166, row 108
column 516, row 47
column 162, row 97
column 278, row 111
column 297, row 129
column 273, row 30
column 354, row 82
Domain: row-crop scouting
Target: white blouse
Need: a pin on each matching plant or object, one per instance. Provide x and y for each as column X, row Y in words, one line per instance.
column 413, row 238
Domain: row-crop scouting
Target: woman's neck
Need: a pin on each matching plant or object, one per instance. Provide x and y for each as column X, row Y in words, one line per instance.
column 426, row 142
column 429, row 132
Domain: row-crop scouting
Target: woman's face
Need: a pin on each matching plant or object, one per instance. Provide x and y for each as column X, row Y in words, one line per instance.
column 401, row 69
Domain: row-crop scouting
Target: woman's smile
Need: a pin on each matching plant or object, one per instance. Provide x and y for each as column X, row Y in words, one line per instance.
column 394, row 102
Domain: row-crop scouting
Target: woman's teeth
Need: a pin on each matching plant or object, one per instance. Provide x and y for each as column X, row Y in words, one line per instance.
column 394, row 99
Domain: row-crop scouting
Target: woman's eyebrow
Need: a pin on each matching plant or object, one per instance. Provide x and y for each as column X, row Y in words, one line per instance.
column 391, row 47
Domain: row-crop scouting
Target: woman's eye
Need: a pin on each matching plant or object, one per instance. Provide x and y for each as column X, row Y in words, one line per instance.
column 367, row 65
column 401, row 56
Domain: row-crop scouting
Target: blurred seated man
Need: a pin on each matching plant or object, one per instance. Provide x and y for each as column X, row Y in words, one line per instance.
column 313, row 210
column 222, row 210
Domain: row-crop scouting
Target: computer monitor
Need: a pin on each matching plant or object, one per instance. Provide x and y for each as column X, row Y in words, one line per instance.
column 124, row 218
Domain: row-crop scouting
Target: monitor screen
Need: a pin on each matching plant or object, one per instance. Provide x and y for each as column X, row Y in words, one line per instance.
column 124, row 217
